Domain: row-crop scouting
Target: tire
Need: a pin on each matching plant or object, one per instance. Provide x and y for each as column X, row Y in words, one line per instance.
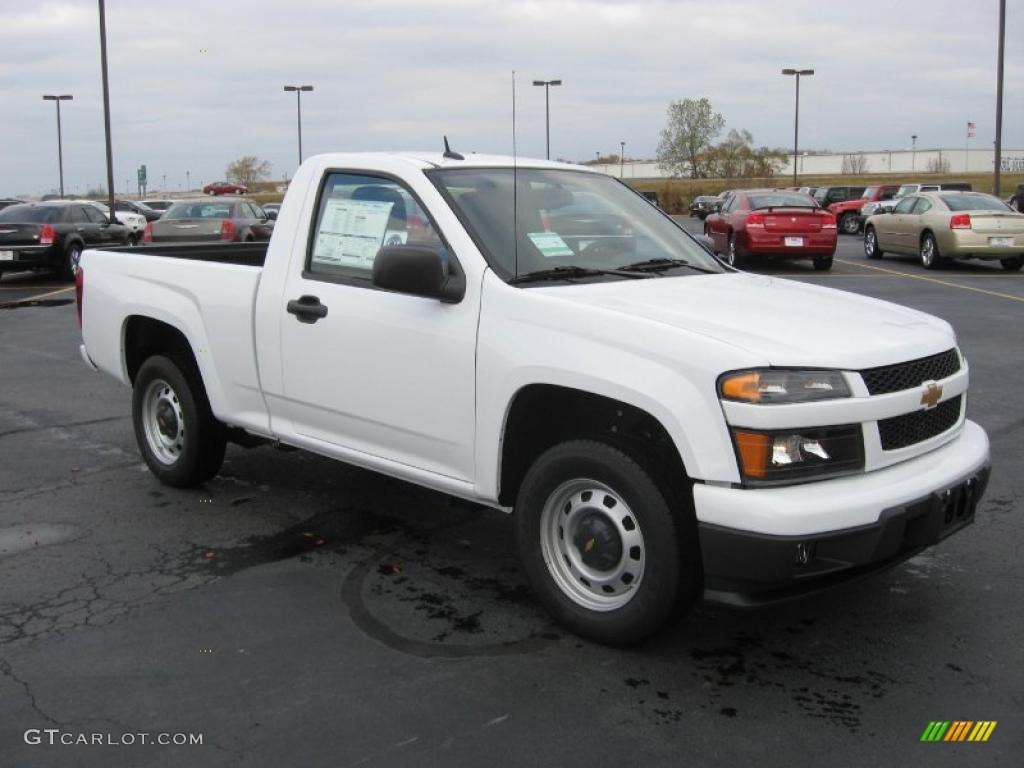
column 871, row 249
column 848, row 224
column 177, row 434
column 1012, row 263
column 72, row 255
column 929, row 252
column 646, row 568
column 732, row 256
column 822, row 263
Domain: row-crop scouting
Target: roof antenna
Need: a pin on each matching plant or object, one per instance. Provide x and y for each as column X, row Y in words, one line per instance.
column 448, row 152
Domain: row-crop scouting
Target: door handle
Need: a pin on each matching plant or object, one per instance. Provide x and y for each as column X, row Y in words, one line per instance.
column 307, row 309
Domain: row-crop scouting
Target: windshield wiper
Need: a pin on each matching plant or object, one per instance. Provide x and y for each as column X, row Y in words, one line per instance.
column 564, row 273
column 654, row 265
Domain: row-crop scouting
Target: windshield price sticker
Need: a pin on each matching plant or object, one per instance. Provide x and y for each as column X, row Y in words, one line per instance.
column 550, row 244
column 351, row 232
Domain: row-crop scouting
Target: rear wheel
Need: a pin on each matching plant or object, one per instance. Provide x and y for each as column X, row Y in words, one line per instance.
column 178, row 436
column 1013, row 263
column 72, row 256
column 849, row 224
column 930, row 258
column 871, row 249
column 822, row 263
column 600, row 545
column 732, row 256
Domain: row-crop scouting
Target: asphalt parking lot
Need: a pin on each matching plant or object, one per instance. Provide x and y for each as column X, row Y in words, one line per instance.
column 295, row 611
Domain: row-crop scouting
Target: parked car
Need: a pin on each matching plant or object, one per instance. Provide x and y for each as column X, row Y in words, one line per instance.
column 52, row 235
column 652, row 196
column 807, row 190
column 702, row 205
column 197, row 221
column 135, row 223
column 756, row 223
column 272, row 209
column 9, row 201
column 224, row 188
column 665, row 427
column 848, row 212
column 140, row 208
column 937, row 226
column 825, row 196
column 158, row 205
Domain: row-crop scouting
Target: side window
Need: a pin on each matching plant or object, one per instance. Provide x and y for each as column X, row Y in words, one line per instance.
column 95, row 215
column 357, row 216
column 889, row 195
column 904, row 205
column 923, row 206
column 78, row 215
column 248, row 211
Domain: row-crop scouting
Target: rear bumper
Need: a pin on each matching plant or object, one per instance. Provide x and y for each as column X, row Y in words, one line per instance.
column 968, row 243
column 752, row 541
column 29, row 257
column 775, row 245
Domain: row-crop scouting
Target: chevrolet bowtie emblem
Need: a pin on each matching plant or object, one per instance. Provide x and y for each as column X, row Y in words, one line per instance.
column 931, row 395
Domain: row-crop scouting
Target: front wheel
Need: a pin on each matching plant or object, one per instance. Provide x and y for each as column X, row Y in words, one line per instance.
column 1012, row 263
column 178, row 436
column 849, row 224
column 600, row 545
column 823, row 263
column 871, row 249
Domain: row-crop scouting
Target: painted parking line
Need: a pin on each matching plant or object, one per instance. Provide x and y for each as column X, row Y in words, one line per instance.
column 37, row 297
column 935, row 280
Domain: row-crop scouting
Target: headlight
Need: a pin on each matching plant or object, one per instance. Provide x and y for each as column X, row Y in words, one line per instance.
column 779, row 385
column 795, row 455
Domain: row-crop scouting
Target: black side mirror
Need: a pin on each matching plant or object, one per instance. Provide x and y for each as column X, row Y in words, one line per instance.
column 272, row 215
column 420, row 271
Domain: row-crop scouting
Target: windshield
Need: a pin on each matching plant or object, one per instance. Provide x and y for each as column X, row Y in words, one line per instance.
column 563, row 219
column 201, row 210
column 974, row 202
column 905, row 190
column 869, row 192
column 29, row 214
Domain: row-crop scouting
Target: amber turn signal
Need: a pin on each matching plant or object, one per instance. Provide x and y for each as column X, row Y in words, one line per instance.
column 753, row 451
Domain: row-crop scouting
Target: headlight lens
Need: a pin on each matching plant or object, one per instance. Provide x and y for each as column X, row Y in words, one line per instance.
column 780, row 385
column 795, row 455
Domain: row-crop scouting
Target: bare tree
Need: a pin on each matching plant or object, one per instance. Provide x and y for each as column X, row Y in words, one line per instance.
column 247, row 170
column 938, row 164
column 854, row 164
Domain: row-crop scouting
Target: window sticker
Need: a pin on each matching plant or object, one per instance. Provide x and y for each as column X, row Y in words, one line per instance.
column 550, row 244
column 351, row 232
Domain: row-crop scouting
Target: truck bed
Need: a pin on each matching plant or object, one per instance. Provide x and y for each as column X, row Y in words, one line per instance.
column 242, row 254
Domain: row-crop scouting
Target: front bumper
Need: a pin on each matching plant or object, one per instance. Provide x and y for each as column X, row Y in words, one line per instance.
column 765, row 545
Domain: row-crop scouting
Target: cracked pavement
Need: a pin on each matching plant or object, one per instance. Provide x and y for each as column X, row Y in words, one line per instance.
column 296, row 611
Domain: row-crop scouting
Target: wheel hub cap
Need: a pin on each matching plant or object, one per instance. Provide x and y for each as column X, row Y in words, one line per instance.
column 598, row 541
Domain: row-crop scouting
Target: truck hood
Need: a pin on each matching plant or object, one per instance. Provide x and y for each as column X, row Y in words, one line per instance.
column 779, row 322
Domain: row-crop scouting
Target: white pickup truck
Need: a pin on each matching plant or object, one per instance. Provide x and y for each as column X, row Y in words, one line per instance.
column 538, row 338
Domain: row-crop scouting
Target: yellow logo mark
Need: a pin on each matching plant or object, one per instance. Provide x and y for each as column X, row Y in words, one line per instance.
column 589, row 545
column 931, row 395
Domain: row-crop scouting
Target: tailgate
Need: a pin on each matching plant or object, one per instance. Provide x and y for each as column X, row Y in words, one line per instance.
column 186, row 230
column 998, row 223
column 20, row 234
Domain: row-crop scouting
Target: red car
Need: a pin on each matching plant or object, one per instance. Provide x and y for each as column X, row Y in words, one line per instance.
column 847, row 212
column 224, row 188
column 772, row 222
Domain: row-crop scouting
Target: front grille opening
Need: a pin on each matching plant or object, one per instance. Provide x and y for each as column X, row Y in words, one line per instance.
column 896, row 378
column 911, row 428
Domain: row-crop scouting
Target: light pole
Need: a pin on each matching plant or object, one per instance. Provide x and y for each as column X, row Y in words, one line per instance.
column 547, row 110
column 796, row 118
column 298, row 101
column 106, row 107
column 164, row 187
column 60, row 148
column 188, row 182
column 913, row 152
column 998, row 148
column 622, row 157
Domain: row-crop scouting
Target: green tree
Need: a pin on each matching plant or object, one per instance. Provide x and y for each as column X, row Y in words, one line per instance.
column 247, row 170
column 686, row 140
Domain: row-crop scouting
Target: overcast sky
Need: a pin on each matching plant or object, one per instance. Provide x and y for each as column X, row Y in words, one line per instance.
column 195, row 84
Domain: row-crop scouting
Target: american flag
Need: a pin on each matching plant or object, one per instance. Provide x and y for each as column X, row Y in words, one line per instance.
column 970, row 130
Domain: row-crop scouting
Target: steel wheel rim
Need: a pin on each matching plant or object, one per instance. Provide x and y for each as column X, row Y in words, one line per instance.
column 850, row 225
column 870, row 242
column 163, row 421
column 927, row 251
column 565, row 513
